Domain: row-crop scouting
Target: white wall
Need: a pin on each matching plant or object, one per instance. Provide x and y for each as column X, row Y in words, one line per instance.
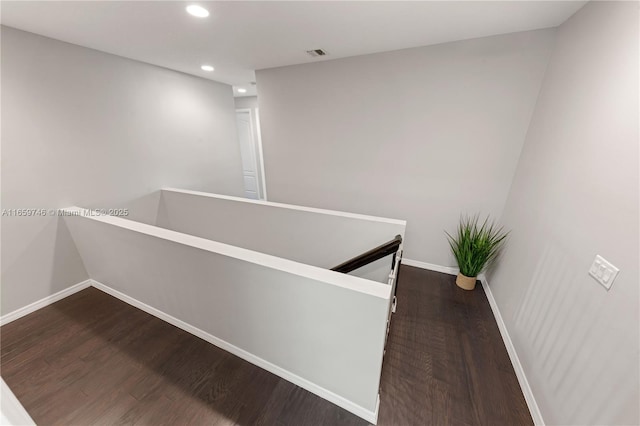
column 318, row 238
column 11, row 411
column 249, row 102
column 84, row 127
column 423, row 134
column 319, row 329
column 575, row 195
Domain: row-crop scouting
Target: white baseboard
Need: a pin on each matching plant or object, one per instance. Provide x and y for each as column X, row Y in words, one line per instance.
column 536, row 415
column 370, row 416
column 19, row 313
column 430, row 266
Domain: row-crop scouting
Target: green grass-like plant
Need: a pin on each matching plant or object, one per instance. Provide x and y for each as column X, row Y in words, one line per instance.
column 475, row 246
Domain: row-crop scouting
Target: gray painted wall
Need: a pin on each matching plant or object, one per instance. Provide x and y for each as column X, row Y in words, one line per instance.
column 575, row 195
column 310, row 237
column 319, row 329
column 423, row 134
column 81, row 127
column 250, row 102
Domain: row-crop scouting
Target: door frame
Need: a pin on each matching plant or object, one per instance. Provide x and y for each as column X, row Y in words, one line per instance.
column 260, row 158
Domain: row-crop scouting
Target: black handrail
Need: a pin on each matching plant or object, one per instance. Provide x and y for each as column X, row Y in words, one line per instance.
column 372, row 255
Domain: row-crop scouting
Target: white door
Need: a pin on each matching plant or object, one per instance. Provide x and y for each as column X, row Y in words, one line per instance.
column 248, row 154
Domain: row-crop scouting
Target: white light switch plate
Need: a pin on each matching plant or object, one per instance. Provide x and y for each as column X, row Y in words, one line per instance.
column 603, row 271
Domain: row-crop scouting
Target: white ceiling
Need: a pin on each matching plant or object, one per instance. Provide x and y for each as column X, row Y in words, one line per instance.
column 240, row 37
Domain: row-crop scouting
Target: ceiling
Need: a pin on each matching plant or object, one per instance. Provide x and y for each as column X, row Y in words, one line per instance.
column 240, row 37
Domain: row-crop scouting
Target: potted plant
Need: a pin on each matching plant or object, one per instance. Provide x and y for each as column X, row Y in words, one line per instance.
column 475, row 246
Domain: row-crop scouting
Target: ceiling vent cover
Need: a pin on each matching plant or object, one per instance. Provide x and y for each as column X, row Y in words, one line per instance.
column 316, row 52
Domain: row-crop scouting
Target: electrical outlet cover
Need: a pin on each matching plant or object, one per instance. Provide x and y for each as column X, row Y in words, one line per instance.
column 603, row 271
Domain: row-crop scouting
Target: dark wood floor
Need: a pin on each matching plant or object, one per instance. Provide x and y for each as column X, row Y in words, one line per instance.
column 92, row 359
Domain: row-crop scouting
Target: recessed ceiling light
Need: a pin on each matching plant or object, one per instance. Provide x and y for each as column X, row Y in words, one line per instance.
column 207, row 68
column 241, row 90
column 198, row 11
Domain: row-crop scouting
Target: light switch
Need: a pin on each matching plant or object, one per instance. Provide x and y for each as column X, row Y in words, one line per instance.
column 603, row 271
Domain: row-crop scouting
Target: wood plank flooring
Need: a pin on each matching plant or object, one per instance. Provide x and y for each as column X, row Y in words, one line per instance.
column 92, row 359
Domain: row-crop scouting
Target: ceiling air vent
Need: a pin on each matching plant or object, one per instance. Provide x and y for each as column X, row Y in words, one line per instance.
column 316, row 52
